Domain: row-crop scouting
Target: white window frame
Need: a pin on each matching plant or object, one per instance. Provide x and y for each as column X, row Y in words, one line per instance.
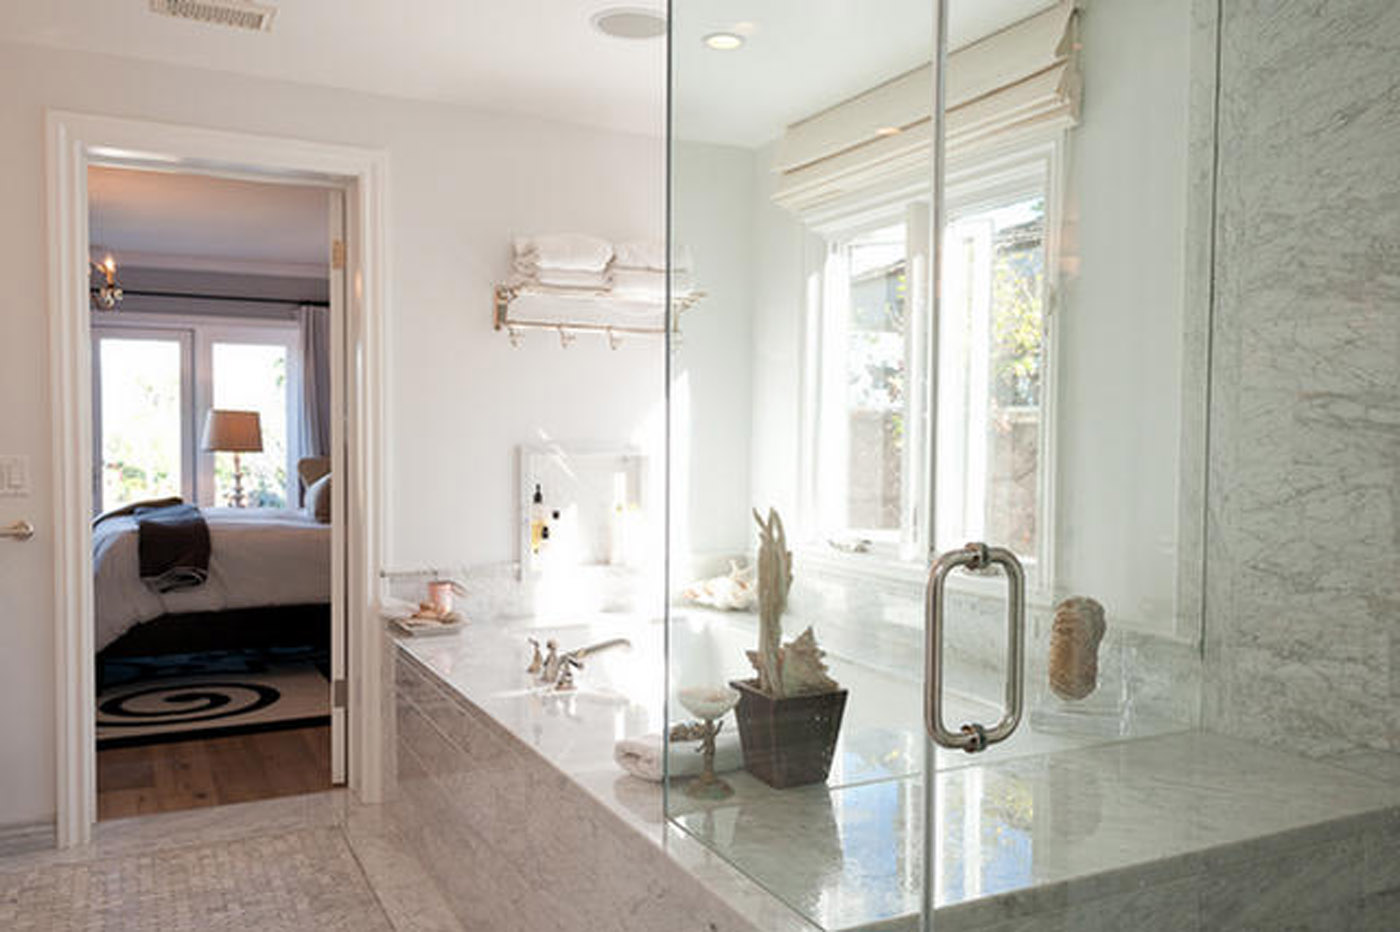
column 200, row 334
column 1029, row 164
column 184, row 338
column 829, row 470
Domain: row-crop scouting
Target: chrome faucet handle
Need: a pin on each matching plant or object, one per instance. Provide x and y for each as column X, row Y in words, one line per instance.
column 567, row 665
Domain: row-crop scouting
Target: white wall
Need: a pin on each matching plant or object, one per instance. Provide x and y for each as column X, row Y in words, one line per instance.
column 713, row 379
column 1121, row 329
column 460, row 399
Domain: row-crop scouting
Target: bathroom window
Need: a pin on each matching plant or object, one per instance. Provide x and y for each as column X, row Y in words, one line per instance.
column 891, row 388
column 991, row 361
column 865, row 386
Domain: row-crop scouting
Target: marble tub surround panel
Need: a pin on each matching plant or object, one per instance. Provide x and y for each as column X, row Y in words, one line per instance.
column 499, row 590
column 881, row 625
column 1303, row 648
column 1077, row 837
column 515, row 832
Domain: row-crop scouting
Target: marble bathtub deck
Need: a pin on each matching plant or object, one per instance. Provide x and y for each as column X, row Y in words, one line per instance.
column 1020, row 837
column 285, row 865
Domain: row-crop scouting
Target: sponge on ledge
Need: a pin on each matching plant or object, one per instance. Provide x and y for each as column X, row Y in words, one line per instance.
column 1074, row 647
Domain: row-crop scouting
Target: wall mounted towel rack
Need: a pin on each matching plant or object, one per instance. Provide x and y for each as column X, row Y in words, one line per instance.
column 615, row 326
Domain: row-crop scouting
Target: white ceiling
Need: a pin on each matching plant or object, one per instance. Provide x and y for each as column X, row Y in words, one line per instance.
column 542, row 57
column 803, row 56
column 218, row 224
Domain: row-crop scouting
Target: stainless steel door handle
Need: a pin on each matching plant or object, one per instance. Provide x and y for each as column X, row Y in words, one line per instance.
column 973, row 737
column 20, row 530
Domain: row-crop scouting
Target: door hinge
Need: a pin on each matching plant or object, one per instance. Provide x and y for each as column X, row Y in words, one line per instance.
column 338, row 254
column 340, row 694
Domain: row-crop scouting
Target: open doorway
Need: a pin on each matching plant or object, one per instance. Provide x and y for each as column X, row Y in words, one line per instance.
column 218, row 615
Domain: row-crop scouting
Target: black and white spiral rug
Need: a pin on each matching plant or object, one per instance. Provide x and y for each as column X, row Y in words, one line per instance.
column 179, row 697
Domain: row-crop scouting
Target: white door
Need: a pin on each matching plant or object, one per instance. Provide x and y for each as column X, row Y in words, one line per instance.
column 340, row 405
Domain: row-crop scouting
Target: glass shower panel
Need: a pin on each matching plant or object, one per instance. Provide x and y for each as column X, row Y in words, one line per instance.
column 834, row 428
column 798, row 394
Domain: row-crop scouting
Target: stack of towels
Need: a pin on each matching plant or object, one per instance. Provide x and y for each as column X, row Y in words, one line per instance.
column 634, row 271
column 563, row 260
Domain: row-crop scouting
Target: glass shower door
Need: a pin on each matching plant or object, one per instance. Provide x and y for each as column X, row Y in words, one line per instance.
column 1047, row 405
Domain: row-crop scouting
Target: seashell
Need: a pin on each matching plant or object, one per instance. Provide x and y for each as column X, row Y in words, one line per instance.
column 1075, row 636
column 803, row 669
column 734, row 592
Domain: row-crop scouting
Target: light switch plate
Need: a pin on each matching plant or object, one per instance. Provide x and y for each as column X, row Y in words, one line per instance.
column 14, row 475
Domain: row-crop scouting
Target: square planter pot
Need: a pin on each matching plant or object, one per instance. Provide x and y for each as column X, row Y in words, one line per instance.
column 790, row 741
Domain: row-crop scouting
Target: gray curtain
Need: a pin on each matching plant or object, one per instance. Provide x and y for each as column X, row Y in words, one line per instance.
column 315, row 380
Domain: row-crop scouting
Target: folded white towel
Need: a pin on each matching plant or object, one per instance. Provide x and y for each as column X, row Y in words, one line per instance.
column 646, row 284
column 642, row 757
column 650, row 255
column 574, row 251
column 573, row 278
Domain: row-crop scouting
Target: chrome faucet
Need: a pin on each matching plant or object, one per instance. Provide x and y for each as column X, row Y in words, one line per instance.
column 557, row 669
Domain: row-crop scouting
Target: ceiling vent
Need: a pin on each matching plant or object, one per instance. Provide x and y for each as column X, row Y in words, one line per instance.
column 239, row 14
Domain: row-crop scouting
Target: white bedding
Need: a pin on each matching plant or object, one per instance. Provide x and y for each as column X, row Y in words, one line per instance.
column 258, row 557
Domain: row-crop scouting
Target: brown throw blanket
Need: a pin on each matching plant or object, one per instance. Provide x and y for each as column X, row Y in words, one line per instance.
column 173, row 547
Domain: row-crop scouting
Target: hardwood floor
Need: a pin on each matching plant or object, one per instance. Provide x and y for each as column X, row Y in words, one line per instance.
column 212, row 771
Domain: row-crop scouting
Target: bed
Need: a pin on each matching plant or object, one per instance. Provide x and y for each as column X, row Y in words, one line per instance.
column 259, row 558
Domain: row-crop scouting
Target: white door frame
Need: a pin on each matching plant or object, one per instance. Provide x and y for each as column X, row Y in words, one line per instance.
column 74, row 142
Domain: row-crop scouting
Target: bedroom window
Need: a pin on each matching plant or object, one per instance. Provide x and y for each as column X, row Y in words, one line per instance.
column 153, row 381
column 254, row 377
column 142, row 448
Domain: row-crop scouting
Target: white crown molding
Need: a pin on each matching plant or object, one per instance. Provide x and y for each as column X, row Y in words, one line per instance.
column 127, row 258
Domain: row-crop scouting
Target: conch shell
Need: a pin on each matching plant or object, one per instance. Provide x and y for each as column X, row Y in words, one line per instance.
column 1074, row 647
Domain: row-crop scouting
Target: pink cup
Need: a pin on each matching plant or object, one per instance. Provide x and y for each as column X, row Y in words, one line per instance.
column 440, row 594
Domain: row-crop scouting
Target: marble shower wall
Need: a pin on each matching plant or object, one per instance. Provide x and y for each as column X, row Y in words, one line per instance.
column 1303, row 578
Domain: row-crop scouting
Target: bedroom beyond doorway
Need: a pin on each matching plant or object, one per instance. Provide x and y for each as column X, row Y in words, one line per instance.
column 212, row 532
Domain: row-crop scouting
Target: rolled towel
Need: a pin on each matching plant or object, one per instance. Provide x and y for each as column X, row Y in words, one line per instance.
column 650, row 255
column 572, row 251
column 642, row 757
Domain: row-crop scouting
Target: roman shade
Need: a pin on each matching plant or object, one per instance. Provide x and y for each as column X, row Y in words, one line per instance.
column 1024, row 77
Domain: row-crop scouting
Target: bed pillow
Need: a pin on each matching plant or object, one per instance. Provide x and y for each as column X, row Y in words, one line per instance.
column 318, row 499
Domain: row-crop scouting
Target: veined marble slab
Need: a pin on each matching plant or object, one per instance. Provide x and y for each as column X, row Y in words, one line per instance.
column 1071, row 832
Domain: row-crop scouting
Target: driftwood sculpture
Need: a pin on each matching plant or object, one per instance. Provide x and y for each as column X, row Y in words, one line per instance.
column 797, row 669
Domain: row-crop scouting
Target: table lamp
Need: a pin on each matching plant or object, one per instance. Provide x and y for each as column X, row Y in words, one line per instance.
column 233, row 432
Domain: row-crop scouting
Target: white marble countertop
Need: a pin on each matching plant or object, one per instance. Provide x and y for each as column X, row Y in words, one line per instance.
column 850, row 854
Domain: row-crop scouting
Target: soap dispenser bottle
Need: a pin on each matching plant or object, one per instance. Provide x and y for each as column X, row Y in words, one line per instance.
column 539, row 521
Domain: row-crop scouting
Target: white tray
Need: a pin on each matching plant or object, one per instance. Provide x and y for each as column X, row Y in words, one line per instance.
column 427, row 627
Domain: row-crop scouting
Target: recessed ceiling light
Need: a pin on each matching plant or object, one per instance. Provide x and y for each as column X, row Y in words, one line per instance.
column 630, row 22
column 724, row 41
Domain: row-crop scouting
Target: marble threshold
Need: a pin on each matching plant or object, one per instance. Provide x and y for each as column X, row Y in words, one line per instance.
column 1060, row 821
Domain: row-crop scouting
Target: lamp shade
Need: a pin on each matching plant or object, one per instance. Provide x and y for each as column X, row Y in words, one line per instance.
column 232, row 432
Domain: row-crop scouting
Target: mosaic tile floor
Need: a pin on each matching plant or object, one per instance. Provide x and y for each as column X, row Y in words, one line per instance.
column 298, row 881
column 296, row 864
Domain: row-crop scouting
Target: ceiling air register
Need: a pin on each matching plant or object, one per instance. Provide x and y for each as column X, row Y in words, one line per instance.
column 238, row 14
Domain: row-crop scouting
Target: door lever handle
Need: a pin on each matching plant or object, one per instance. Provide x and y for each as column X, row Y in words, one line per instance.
column 20, row 530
